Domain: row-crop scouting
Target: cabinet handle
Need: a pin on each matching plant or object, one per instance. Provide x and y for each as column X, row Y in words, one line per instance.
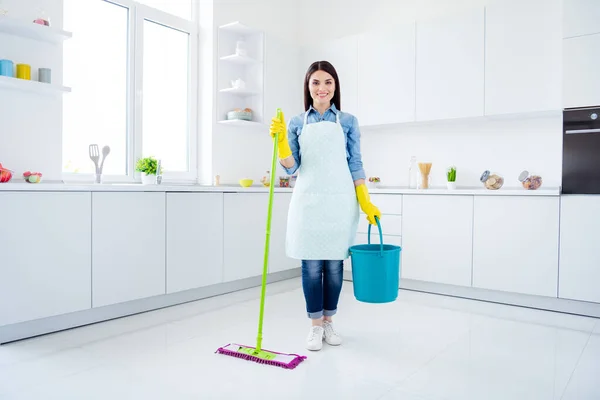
column 576, row 131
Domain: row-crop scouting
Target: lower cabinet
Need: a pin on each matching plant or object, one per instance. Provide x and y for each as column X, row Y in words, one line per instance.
column 194, row 240
column 278, row 261
column 128, row 246
column 245, row 221
column 437, row 238
column 579, row 252
column 515, row 246
column 44, row 254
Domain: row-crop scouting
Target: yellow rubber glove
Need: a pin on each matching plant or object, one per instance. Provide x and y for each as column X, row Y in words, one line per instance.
column 278, row 126
column 364, row 200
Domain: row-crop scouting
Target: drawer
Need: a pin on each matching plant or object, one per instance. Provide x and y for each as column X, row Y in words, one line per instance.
column 390, row 225
column 388, row 203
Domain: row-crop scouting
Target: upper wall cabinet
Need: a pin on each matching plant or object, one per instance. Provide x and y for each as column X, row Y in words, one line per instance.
column 580, row 17
column 386, row 75
column 523, row 53
column 450, row 66
column 581, row 79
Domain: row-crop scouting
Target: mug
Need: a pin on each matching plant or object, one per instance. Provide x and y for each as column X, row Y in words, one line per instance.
column 7, row 68
column 45, row 75
column 24, row 71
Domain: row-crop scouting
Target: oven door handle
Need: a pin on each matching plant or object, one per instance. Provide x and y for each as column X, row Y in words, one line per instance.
column 577, row 131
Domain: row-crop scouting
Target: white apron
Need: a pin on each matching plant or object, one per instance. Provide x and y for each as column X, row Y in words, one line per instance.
column 323, row 214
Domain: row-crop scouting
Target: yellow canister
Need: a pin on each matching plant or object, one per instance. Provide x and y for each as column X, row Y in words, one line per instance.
column 24, row 71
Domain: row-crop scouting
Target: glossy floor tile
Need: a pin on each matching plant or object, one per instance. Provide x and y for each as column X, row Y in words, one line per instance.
column 421, row 347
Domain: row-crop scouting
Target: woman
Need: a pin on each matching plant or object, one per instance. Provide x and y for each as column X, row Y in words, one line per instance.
column 323, row 144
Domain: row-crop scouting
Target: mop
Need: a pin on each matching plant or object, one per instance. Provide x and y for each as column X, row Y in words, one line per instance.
column 258, row 354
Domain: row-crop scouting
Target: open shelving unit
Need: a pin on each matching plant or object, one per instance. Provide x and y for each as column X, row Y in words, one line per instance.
column 248, row 67
column 31, row 86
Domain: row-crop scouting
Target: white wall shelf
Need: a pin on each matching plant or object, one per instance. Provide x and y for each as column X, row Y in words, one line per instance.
column 31, row 86
column 240, row 92
column 239, row 29
column 241, row 123
column 30, row 30
column 238, row 59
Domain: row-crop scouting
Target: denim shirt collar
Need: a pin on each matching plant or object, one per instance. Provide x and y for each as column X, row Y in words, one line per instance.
column 331, row 108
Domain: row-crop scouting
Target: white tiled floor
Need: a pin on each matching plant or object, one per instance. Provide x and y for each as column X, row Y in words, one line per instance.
column 422, row 347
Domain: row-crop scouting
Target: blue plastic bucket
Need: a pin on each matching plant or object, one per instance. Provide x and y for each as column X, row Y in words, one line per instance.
column 375, row 270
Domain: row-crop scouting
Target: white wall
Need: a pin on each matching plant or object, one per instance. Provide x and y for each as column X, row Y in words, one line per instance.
column 31, row 124
column 504, row 146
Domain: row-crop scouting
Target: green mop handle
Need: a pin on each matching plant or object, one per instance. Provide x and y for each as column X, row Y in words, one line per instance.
column 267, row 241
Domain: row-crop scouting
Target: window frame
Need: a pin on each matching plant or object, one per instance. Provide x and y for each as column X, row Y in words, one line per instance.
column 137, row 13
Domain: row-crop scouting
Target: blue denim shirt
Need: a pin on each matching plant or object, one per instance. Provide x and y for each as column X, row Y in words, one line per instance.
column 350, row 127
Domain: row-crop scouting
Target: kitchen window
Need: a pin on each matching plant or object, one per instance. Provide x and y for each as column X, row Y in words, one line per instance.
column 133, row 69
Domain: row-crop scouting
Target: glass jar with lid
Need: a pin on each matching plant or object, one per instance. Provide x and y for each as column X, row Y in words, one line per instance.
column 491, row 181
column 530, row 182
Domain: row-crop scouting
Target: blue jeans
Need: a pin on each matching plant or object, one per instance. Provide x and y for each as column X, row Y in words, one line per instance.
column 322, row 284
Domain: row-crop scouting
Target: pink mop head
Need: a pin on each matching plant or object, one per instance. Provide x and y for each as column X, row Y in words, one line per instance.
column 287, row 361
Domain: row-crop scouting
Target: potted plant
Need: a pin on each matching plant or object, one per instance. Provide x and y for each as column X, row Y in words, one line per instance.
column 147, row 166
column 451, row 177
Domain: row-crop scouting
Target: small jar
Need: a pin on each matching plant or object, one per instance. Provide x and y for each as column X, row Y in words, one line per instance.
column 266, row 180
column 284, row 181
column 293, row 180
column 530, row 182
column 491, row 181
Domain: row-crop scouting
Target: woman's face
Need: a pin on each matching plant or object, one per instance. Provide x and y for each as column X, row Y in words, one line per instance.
column 322, row 87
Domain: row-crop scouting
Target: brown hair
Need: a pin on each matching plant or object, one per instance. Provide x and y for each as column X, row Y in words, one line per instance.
column 327, row 67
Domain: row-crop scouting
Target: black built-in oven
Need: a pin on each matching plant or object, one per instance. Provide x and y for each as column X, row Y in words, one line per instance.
column 581, row 151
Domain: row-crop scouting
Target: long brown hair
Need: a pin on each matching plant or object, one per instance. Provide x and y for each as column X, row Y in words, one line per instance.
column 327, row 67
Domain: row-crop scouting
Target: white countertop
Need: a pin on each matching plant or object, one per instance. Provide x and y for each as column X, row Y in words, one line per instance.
column 182, row 187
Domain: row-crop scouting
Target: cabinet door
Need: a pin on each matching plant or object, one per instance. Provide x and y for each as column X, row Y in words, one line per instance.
column 245, row 222
column 523, row 55
column 450, row 66
column 128, row 246
column 194, row 240
column 386, row 75
column 437, row 238
column 581, row 81
column 278, row 261
column 579, row 256
column 581, row 17
column 45, row 252
column 515, row 245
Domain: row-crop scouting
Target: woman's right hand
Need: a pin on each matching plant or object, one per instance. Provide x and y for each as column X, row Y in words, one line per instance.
column 278, row 127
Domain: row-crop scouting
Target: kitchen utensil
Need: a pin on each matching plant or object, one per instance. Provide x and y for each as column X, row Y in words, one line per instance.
column 24, row 71
column 158, row 174
column 105, row 152
column 95, row 157
column 425, row 169
column 7, row 68
column 491, row 181
column 45, row 75
column 244, row 115
column 530, row 182
column 413, row 173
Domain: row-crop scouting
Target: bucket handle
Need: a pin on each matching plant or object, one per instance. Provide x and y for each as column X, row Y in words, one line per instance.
column 380, row 235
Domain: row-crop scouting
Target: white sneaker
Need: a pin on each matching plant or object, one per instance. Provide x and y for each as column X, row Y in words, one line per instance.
column 314, row 341
column 331, row 336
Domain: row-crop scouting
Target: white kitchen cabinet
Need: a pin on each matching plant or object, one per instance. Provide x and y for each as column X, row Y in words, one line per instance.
column 515, row 244
column 581, row 17
column 450, row 66
column 386, row 75
column 581, row 81
column 523, row 56
column 128, row 246
column 342, row 53
column 579, row 256
column 437, row 238
column 278, row 261
column 245, row 217
column 45, row 254
column 194, row 240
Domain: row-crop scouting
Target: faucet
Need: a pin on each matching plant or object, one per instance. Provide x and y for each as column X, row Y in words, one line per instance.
column 158, row 174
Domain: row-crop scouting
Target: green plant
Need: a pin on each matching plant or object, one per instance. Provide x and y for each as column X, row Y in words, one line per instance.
column 147, row 165
column 451, row 174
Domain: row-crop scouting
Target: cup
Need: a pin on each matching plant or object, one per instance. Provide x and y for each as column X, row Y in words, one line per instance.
column 24, row 71
column 45, row 75
column 7, row 68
